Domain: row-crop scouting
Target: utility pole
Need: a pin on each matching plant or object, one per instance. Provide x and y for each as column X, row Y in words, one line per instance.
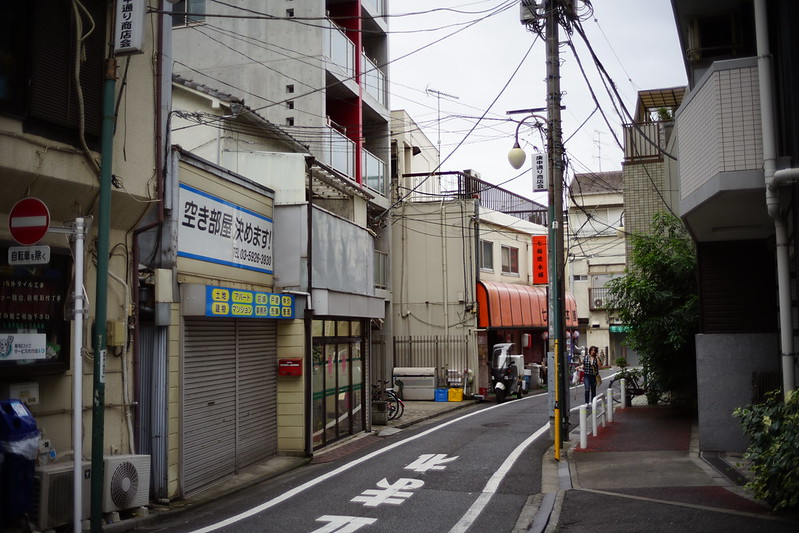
column 555, row 192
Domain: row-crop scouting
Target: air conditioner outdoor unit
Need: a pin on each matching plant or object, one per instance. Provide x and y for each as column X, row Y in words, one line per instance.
column 53, row 494
column 126, row 482
column 598, row 302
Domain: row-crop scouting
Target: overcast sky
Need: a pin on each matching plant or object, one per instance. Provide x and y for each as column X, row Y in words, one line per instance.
column 635, row 40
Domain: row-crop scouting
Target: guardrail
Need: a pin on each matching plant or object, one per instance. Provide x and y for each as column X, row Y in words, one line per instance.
column 601, row 412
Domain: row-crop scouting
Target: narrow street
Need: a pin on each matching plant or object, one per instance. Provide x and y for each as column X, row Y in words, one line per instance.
column 473, row 470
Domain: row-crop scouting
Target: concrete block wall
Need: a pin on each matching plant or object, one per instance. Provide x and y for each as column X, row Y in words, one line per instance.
column 724, row 366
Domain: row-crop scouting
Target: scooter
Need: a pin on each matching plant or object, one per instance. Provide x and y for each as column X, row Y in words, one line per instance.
column 506, row 376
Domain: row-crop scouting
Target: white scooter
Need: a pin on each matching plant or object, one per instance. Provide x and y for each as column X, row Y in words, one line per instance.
column 507, row 377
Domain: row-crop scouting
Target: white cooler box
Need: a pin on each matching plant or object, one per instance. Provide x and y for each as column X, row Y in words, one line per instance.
column 418, row 383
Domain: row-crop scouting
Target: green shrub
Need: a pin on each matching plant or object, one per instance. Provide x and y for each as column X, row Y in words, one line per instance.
column 773, row 430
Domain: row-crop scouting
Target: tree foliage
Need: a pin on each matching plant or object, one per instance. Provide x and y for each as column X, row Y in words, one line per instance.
column 658, row 299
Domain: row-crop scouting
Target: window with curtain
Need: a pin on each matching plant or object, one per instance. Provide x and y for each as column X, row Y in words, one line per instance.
column 510, row 260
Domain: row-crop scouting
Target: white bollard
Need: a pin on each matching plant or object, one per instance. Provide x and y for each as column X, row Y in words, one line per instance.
column 593, row 417
column 623, row 393
column 609, row 408
column 583, row 427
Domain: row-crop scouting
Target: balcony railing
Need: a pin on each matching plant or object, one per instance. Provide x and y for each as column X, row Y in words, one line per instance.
column 374, row 81
column 339, row 49
column 598, row 298
column 338, row 152
column 642, row 141
column 493, row 197
column 374, row 171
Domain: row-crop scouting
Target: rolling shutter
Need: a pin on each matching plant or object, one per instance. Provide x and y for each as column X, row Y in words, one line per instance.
column 209, row 402
column 230, row 397
column 257, row 391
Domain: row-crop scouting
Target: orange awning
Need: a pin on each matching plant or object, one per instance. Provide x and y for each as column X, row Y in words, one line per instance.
column 508, row 305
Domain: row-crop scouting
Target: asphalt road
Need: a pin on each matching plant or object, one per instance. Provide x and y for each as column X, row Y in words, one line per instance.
column 472, row 471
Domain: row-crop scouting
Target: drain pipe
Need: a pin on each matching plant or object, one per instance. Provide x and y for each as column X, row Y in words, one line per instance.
column 774, row 178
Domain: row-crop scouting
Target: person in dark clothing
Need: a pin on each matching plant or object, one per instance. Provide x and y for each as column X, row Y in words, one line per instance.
column 591, row 370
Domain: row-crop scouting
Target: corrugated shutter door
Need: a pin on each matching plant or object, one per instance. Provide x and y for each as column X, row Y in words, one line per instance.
column 257, row 391
column 209, row 401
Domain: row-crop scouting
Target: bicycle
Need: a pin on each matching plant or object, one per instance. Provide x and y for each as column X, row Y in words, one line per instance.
column 636, row 384
column 632, row 383
column 395, row 407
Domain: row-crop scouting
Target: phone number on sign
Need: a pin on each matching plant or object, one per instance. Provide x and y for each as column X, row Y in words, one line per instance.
column 251, row 256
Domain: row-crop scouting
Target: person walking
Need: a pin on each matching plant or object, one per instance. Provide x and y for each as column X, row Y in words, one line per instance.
column 591, row 371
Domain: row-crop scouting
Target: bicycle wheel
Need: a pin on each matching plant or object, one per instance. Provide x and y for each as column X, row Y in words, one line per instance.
column 397, row 401
column 391, row 407
column 615, row 387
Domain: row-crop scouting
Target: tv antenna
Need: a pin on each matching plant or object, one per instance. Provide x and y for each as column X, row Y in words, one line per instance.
column 438, row 95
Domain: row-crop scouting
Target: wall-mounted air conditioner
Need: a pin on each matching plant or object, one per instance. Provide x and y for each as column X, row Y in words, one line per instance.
column 126, row 482
column 53, row 494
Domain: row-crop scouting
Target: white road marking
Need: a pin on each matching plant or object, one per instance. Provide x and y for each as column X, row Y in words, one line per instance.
column 493, row 483
column 343, row 468
column 343, row 524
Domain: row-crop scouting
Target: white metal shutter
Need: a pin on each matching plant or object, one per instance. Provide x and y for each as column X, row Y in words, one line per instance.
column 209, row 401
column 257, row 391
column 230, row 397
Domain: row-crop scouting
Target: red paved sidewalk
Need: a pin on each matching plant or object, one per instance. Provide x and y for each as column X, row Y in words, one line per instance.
column 640, row 429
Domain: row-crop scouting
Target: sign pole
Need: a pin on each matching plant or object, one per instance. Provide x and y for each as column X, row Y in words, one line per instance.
column 77, row 378
column 101, row 296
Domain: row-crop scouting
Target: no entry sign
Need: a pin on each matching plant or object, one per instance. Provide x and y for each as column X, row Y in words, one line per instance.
column 29, row 221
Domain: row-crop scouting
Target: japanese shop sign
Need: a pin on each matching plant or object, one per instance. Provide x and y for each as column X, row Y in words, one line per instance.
column 227, row 302
column 540, row 172
column 214, row 230
column 540, row 266
column 22, row 346
column 129, row 26
column 28, row 255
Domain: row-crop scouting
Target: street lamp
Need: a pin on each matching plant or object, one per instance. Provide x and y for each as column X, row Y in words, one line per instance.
column 517, row 156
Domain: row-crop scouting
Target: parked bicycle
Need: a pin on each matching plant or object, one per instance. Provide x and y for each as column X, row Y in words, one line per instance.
column 395, row 407
column 635, row 384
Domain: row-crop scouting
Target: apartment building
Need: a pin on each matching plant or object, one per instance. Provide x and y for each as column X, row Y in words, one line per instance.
column 595, row 256
column 292, row 96
column 737, row 141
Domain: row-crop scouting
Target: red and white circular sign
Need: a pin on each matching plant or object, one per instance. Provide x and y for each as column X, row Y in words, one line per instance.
column 29, row 221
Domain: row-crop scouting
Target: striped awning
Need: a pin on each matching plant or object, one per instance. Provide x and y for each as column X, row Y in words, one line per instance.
column 509, row 305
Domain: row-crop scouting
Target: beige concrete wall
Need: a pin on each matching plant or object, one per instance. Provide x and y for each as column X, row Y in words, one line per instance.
column 173, row 401
column 291, row 390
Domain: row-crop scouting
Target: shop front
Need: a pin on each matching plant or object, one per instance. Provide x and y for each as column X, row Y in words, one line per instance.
column 516, row 313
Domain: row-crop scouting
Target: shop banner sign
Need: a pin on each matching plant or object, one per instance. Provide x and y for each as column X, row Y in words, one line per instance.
column 129, row 26
column 540, row 260
column 22, row 346
column 214, row 230
column 540, row 172
column 239, row 303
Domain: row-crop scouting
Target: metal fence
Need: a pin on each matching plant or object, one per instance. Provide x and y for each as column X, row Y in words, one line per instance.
column 447, row 354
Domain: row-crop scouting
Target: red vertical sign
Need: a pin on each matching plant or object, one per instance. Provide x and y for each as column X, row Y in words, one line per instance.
column 540, row 262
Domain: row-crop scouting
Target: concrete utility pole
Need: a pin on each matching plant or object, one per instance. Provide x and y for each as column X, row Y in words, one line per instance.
column 555, row 192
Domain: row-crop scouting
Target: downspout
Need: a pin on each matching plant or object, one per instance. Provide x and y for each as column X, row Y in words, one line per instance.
column 163, row 98
column 773, row 180
column 309, row 317
column 445, row 274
